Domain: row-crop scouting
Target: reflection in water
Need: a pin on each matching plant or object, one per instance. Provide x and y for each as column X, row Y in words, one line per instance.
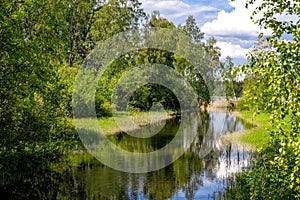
column 201, row 173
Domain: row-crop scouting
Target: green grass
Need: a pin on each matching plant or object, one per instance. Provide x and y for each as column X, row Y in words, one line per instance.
column 77, row 158
column 259, row 134
column 109, row 125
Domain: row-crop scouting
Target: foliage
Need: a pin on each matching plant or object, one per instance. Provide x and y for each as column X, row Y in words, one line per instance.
column 276, row 174
column 42, row 42
column 255, row 92
column 113, row 17
column 233, row 87
column 144, row 97
column 79, row 19
column 34, row 129
column 90, row 22
column 42, row 45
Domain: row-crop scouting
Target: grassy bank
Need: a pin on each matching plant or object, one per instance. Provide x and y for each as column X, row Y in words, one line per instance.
column 256, row 136
column 259, row 134
column 123, row 122
column 252, row 137
column 111, row 125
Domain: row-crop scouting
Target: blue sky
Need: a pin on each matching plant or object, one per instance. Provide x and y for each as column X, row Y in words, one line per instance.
column 229, row 22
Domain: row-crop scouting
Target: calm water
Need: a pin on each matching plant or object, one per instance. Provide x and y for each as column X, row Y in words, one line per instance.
column 201, row 173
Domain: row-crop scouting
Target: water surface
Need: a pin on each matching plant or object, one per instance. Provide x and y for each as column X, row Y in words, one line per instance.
column 201, row 173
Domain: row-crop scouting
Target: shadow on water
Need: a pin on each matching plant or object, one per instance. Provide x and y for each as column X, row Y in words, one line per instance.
column 202, row 172
column 143, row 145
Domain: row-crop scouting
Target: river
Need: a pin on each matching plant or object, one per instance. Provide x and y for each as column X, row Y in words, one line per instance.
column 202, row 172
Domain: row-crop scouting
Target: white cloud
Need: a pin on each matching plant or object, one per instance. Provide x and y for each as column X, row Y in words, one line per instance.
column 236, row 22
column 176, row 10
column 232, row 50
column 234, row 30
column 229, row 22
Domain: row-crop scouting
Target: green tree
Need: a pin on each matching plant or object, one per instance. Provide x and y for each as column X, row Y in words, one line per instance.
column 115, row 16
column 276, row 174
column 80, row 17
column 255, row 93
column 34, row 126
column 191, row 29
column 90, row 22
column 206, row 60
column 233, row 87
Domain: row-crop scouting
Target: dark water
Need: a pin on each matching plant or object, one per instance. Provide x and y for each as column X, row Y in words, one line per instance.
column 201, row 173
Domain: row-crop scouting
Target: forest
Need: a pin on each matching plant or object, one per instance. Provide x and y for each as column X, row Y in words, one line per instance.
column 44, row 44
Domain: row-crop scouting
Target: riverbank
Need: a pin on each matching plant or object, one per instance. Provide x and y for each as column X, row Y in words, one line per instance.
column 249, row 139
column 213, row 167
column 252, row 137
column 121, row 121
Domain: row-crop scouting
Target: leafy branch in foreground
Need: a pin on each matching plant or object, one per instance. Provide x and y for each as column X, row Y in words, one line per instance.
column 276, row 174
